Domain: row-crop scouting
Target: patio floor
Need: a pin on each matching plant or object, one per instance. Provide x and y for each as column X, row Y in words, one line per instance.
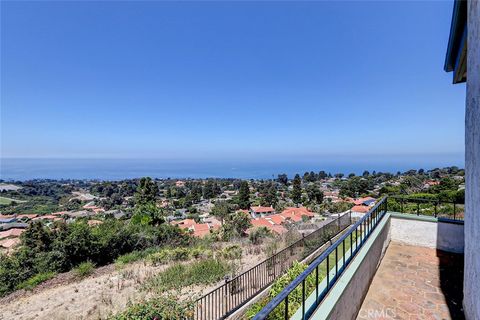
column 415, row 283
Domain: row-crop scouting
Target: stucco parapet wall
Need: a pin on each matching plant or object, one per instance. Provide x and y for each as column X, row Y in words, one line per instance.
column 427, row 231
column 410, row 216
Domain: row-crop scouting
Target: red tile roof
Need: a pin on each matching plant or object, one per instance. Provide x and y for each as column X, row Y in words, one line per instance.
column 28, row 216
column 47, row 217
column 15, row 232
column 201, row 229
column 360, row 201
column 279, row 229
column 277, row 219
column 9, row 243
column 261, row 222
column 293, row 211
column 360, row 209
column 60, row 213
column 261, row 209
column 184, row 224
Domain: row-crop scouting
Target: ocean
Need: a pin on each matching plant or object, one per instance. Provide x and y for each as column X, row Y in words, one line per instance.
column 117, row 169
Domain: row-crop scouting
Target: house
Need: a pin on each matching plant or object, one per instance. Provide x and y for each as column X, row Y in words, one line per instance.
column 9, row 243
column 430, row 183
column 212, row 221
column 295, row 214
column 180, row 184
column 334, row 196
column 59, row 213
column 269, row 224
column 26, row 216
column 359, row 211
column 200, row 230
column 92, row 223
column 47, row 217
column 7, row 219
column 8, row 226
column 11, row 233
column 80, row 214
column 367, row 201
column 261, row 211
column 117, row 214
column 463, row 61
column 277, row 219
column 184, row 224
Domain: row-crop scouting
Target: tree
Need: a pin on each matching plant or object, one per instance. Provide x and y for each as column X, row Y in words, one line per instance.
column 196, row 193
column 235, row 225
column 270, row 196
column 322, row 175
column 147, row 191
column 297, row 189
column 211, row 189
column 244, row 196
column 315, row 195
column 221, row 210
column 282, row 178
column 147, row 214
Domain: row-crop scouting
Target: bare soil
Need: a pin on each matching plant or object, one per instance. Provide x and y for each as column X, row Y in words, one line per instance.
column 107, row 291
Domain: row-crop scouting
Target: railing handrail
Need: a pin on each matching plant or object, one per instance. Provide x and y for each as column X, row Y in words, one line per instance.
column 407, row 198
column 298, row 280
column 273, row 255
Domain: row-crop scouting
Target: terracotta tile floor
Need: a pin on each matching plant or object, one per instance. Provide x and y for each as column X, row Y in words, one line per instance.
column 415, row 283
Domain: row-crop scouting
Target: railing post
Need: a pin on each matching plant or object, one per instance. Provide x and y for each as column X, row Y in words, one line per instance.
column 286, row 308
column 418, row 208
column 303, row 299
column 454, row 207
column 316, row 284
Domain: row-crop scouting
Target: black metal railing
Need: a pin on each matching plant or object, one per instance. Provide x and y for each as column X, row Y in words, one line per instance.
column 234, row 293
column 319, row 277
column 428, row 207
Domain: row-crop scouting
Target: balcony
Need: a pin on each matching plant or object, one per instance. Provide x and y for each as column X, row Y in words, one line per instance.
column 389, row 265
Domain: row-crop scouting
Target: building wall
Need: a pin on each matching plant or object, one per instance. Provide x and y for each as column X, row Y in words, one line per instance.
column 419, row 231
column 472, row 165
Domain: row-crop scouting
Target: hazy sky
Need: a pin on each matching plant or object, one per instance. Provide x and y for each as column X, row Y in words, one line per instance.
column 227, row 79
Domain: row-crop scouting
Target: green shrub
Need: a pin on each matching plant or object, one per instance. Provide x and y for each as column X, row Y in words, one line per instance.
column 160, row 257
column 84, row 269
column 232, row 252
column 258, row 234
column 135, row 256
column 294, row 298
column 180, row 275
column 180, row 254
column 34, row 281
column 161, row 308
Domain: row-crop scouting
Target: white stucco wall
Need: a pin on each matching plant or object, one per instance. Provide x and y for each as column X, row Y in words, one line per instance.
column 471, row 300
column 435, row 235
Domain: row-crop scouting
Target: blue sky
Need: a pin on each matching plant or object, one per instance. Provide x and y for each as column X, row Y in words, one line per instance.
column 214, row 80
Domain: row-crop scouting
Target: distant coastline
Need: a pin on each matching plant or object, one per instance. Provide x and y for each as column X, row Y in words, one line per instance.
column 118, row 169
